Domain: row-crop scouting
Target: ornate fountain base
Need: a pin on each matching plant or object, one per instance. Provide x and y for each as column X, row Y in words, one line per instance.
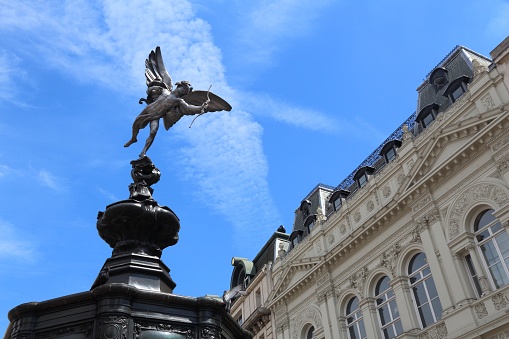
column 131, row 297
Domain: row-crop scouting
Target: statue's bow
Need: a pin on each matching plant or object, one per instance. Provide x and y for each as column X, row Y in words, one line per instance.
column 203, row 108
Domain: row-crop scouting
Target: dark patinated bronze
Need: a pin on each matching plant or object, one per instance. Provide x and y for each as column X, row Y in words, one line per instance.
column 132, row 296
column 170, row 104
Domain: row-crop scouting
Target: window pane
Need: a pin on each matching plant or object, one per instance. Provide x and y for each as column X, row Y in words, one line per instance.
column 502, row 240
column 353, row 333
column 420, row 294
column 399, row 327
column 490, row 253
column 426, row 315
column 382, row 285
column 432, row 290
column 417, row 262
column 385, row 317
column 457, row 92
column 437, row 308
column 394, row 308
column 495, row 228
column 499, row 276
column 363, row 331
column 485, row 218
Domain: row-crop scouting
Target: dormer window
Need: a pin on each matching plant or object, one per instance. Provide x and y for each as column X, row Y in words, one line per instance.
column 310, row 223
column 427, row 115
column 295, row 238
column 457, row 88
column 336, row 203
column 305, row 207
column 438, row 78
column 337, row 197
column 362, row 175
column 389, row 150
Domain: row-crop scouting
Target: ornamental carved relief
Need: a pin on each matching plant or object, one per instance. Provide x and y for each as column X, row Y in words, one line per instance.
column 437, row 332
column 331, row 238
column 503, row 165
column 483, row 191
column 370, row 206
column 400, row 178
column 140, row 327
column 309, row 315
column 210, row 333
column 390, row 257
column 480, row 310
column 342, row 229
column 499, row 301
column 357, row 280
column 86, row 328
column 499, row 144
column 112, row 327
column 357, row 216
column 501, row 335
column 319, row 247
column 487, row 101
column 386, row 192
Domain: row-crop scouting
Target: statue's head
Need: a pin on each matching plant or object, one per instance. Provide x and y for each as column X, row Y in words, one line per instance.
column 184, row 87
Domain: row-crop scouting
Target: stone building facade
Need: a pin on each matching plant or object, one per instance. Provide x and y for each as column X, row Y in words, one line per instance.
column 415, row 242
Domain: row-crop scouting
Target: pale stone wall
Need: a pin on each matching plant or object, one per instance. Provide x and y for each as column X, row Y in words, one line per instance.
column 426, row 200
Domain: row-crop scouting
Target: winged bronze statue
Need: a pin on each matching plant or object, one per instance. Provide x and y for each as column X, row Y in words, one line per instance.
column 171, row 104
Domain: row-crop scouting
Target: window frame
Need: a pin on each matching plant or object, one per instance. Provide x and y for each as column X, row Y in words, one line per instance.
column 453, row 86
column 389, row 299
column 424, row 277
column 358, row 322
column 492, row 238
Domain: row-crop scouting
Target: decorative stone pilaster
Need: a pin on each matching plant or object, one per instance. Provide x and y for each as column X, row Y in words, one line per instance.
column 483, row 281
column 400, row 286
column 367, row 306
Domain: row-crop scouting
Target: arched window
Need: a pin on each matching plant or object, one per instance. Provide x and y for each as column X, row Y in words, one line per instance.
column 388, row 313
column 310, row 333
column 354, row 320
column 424, row 291
column 493, row 242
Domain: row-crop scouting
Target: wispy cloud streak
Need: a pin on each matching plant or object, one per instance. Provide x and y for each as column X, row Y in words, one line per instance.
column 12, row 246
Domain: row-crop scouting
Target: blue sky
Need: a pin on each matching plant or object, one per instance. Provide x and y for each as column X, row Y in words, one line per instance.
column 316, row 86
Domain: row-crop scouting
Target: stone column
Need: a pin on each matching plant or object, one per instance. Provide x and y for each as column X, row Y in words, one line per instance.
column 434, row 263
column 322, row 302
column 454, row 280
column 333, row 316
column 367, row 306
column 483, row 281
column 403, row 296
column 342, row 327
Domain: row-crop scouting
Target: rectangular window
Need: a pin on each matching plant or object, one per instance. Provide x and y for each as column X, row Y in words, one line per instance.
column 391, row 154
column 457, row 93
column 258, row 298
column 473, row 275
column 337, row 204
column 362, row 180
column 428, row 119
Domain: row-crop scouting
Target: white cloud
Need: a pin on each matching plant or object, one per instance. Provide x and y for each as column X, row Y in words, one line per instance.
column 262, row 104
column 4, row 170
column 111, row 41
column 108, row 195
column 12, row 246
column 49, row 180
column 267, row 22
column 8, row 70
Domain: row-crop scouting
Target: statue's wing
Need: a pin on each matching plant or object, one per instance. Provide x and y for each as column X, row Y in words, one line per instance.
column 154, row 69
column 216, row 103
column 171, row 118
